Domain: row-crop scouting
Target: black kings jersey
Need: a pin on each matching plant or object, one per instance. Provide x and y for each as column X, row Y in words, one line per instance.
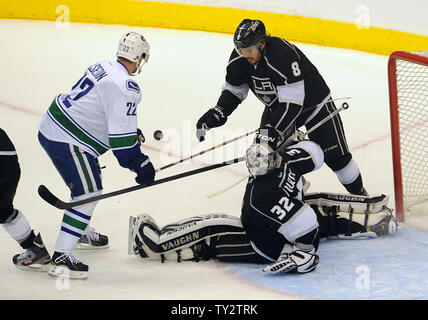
column 284, row 76
column 266, row 208
column 6, row 145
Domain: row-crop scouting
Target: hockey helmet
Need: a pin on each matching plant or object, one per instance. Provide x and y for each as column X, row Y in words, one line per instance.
column 260, row 159
column 249, row 33
column 133, row 46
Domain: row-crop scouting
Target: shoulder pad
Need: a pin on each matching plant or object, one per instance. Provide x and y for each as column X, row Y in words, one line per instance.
column 132, row 86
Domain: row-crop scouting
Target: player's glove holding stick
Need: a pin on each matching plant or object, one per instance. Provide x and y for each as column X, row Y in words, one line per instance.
column 140, row 136
column 214, row 117
column 144, row 169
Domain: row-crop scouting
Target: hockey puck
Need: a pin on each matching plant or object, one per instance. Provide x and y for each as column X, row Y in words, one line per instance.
column 158, row 135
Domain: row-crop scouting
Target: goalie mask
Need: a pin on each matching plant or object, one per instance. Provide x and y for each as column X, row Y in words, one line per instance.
column 133, row 46
column 261, row 159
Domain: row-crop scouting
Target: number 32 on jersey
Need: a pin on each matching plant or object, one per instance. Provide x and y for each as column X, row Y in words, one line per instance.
column 282, row 208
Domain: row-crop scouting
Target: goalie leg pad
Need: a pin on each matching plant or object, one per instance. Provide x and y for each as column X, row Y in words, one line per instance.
column 188, row 239
column 346, row 202
column 136, row 226
column 349, row 225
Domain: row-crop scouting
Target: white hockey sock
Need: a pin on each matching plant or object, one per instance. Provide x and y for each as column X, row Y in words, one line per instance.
column 348, row 174
column 18, row 228
column 74, row 223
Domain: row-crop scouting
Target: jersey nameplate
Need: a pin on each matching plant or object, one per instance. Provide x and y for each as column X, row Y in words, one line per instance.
column 132, row 86
column 97, row 71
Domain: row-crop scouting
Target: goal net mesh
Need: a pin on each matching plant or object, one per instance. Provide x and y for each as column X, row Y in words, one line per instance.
column 412, row 92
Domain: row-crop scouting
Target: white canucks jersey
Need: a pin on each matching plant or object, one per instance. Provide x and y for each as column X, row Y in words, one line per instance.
column 99, row 113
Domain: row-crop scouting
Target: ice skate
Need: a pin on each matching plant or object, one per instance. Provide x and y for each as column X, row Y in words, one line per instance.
column 63, row 264
column 35, row 258
column 92, row 240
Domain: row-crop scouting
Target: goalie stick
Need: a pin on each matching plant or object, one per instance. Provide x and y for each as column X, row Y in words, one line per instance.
column 50, row 198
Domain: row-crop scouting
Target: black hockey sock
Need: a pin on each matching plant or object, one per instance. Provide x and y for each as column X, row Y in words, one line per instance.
column 356, row 187
column 28, row 242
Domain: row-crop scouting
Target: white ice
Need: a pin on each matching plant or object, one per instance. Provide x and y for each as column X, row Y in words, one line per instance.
column 182, row 80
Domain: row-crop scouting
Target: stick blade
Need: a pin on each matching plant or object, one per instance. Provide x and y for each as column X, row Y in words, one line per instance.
column 50, row 198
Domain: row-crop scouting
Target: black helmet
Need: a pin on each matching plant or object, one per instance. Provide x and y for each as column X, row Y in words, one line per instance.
column 249, row 33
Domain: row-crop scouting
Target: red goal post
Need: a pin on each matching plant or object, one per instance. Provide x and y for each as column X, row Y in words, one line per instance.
column 408, row 96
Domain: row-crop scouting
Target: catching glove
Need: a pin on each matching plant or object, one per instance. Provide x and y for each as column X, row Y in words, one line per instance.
column 213, row 118
column 144, row 170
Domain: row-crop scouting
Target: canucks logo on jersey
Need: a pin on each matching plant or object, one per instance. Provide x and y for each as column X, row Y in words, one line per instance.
column 132, row 86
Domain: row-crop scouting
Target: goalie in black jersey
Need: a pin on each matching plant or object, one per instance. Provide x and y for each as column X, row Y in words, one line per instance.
column 279, row 226
column 294, row 95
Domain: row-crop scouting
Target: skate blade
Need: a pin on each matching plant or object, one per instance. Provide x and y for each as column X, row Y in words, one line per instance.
column 85, row 246
column 35, row 267
column 58, row 271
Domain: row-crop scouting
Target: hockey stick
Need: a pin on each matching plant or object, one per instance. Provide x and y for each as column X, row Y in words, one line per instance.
column 205, row 151
column 229, row 141
column 50, row 198
column 331, row 115
column 301, row 136
column 215, row 194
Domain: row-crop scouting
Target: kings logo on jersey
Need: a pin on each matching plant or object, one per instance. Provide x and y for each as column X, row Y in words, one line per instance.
column 264, row 90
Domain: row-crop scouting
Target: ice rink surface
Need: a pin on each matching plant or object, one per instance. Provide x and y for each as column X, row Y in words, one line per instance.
column 180, row 82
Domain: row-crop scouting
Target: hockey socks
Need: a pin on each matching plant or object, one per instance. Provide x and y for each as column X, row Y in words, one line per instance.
column 74, row 223
column 18, row 228
column 350, row 177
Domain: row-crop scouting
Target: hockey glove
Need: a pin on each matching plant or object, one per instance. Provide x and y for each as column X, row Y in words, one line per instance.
column 268, row 135
column 213, row 118
column 140, row 137
column 144, row 170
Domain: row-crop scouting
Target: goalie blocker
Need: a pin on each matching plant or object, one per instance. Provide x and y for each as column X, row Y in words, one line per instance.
column 222, row 236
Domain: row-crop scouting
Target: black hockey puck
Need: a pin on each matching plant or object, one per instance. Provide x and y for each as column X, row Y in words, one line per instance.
column 158, row 135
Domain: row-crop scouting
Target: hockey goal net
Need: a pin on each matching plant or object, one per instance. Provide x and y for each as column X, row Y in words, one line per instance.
column 408, row 95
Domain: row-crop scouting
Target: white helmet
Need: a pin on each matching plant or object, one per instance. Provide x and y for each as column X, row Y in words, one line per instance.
column 261, row 159
column 133, row 46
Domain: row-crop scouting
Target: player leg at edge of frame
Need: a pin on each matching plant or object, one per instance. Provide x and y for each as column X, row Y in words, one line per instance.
column 221, row 236
column 35, row 256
